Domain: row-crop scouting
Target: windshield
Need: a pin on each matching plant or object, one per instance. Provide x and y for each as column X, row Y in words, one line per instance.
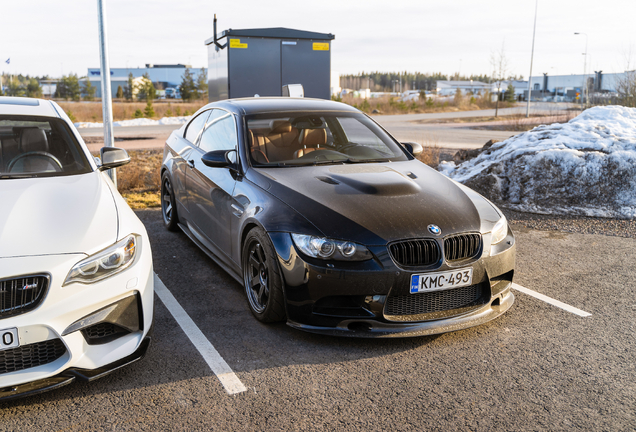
column 312, row 138
column 33, row 146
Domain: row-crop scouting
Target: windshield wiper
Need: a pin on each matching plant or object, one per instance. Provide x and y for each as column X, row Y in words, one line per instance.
column 351, row 160
column 15, row 176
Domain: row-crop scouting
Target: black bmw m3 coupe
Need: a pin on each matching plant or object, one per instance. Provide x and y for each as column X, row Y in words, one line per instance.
column 331, row 224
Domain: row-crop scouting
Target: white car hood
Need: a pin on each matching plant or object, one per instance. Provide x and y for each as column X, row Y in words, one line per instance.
column 56, row 215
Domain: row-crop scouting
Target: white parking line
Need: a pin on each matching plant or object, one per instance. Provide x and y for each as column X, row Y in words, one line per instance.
column 552, row 301
column 221, row 369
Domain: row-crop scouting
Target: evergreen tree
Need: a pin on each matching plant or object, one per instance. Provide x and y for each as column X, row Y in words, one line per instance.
column 14, row 88
column 129, row 90
column 188, row 88
column 146, row 91
column 149, row 112
column 510, row 93
column 202, row 84
column 120, row 93
column 73, row 87
column 33, row 88
column 89, row 90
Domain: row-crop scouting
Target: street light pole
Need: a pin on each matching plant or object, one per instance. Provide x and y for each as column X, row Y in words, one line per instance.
column 107, row 107
column 584, row 69
column 534, row 30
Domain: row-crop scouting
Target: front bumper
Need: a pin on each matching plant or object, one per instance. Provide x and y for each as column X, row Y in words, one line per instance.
column 70, row 315
column 349, row 298
column 70, row 375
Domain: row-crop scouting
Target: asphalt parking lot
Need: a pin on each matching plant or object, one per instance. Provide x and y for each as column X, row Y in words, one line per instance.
column 538, row 367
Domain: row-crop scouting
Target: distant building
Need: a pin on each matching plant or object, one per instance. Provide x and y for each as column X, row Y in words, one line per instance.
column 449, row 88
column 162, row 76
column 570, row 88
column 521, row 88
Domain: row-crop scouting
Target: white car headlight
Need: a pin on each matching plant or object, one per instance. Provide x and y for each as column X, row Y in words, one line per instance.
column 328, row 249
column 499, row 231
column 105, row 263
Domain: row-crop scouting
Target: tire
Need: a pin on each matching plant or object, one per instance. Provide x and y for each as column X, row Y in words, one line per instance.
column 261, row 278
column 168, row 204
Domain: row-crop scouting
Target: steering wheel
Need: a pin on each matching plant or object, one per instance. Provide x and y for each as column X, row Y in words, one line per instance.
column 44, row 154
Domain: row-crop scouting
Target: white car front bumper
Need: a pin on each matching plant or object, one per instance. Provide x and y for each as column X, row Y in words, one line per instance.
column 66, row 312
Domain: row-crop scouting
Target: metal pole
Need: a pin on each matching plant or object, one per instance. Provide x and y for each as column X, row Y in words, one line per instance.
column 107, row 106
column 534, row 30
column 584, row 70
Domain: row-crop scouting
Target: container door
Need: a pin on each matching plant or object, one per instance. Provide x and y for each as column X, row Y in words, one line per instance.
column 307, row 62
column 254, row 67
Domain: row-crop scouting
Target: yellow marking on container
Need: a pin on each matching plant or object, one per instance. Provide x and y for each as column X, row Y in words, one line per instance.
column 321, row 46
column 236, row 43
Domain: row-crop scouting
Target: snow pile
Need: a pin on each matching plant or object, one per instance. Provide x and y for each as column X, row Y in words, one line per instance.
column 138, row 122
column 584, row 167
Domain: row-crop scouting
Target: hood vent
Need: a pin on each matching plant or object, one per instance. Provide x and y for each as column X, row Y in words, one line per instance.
column 328, row 180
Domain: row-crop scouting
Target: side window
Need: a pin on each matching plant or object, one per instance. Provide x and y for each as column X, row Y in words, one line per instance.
column 220, row 133
column 195, row 127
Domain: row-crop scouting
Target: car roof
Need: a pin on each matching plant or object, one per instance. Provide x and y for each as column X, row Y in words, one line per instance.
column 10, row 105
column 283, row 104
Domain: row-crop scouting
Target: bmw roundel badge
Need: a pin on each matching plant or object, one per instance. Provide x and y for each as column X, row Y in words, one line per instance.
column 434, row 229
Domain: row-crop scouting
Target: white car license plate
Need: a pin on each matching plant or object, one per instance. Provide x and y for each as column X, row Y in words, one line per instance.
column 441, row 280
column 9, row 338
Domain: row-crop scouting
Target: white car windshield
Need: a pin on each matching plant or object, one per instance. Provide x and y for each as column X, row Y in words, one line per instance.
column 34, row 146
column 312, row 138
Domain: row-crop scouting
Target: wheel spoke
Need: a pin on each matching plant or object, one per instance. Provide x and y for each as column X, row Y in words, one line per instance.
column 254, row 262
column 261, row 291
column 259, row 251
column 166, row 198
column 255, row 281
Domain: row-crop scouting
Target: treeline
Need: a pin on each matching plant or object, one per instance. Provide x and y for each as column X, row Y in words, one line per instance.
column 72, row 87
column 21, row 85
column 390, row 81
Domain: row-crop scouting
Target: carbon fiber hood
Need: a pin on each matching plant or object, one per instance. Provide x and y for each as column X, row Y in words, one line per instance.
column 374, row 203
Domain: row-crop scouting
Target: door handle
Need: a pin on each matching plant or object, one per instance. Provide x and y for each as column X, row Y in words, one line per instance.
column 191, row 163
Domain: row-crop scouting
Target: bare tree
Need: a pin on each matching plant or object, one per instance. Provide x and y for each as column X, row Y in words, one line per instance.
column 626, row 89
column 626, row 85
column 499, row 64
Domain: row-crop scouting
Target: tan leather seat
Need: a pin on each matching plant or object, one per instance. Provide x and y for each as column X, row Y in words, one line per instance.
column 257, row 147
column 311, row 139
column 281, row 141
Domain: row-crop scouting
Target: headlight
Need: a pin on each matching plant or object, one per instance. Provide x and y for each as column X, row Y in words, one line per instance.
column 328, row 249
column 105, row 263
column 499, row 231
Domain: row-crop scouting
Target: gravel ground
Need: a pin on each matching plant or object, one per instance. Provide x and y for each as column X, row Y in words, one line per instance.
column 572, row 224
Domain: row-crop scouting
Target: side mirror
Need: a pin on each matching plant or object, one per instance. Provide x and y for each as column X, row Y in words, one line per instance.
column 218, row 159
column 413, row 148
column 113, row 157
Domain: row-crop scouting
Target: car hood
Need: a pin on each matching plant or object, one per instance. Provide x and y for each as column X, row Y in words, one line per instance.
column 375, row 203
column 56, row 215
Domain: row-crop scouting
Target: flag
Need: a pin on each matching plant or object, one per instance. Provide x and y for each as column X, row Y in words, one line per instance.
column 8, row 60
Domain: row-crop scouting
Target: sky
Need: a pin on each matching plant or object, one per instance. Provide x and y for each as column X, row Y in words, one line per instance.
column 44, row 37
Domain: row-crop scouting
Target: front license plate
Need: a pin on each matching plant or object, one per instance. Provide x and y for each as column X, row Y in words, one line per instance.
column 9, row 338
column 441, row 280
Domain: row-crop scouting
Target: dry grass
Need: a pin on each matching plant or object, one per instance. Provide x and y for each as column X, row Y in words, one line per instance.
column 519, row 122
column 431, row 150
column 92, row 111
column 392, row 105
column 139, row 181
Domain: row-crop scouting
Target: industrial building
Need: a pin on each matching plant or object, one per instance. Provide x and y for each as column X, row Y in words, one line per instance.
column 249, row 62
column 162, row 76
column 570, row 87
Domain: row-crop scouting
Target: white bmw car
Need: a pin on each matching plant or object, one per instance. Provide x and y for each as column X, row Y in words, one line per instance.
column 76, row 276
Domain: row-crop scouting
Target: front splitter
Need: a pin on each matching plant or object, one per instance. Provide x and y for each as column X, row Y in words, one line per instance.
column 363, row 328
column 70, row 375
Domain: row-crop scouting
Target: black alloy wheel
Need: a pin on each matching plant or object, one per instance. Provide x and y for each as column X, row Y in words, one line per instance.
column 261, row 277
column 168, row 207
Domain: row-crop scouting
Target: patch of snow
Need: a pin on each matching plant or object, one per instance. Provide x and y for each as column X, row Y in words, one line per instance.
column 138, row 122
column 585, row 167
